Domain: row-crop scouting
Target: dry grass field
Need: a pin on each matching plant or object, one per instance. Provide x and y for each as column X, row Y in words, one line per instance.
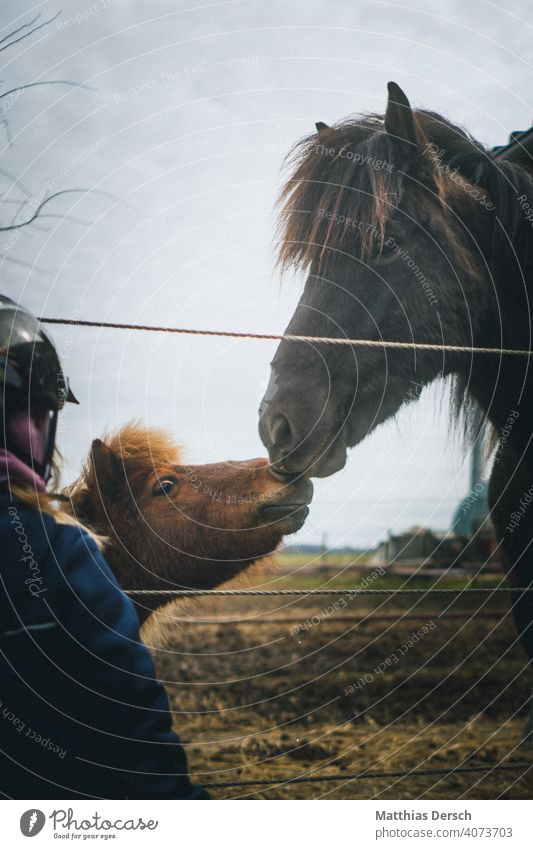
column 263, row 691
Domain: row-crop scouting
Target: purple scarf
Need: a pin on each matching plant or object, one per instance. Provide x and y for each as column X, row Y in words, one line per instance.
column 31, row 436
column 14, row 471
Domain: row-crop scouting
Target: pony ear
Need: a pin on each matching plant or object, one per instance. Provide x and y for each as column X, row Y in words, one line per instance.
column 107, row 467
column 399, row 119
column 321, row 126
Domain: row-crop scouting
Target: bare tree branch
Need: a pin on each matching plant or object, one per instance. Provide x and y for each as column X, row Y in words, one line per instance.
column 3, row 116
column 16, row 182
column 40, row 228
column 47, row 201
column 30, row 32
column 19, row 210
column 15, row 37
column 7, row 128
column 65, row 217
column 19, row 29
column 36, row 212
column 45, row 82
column 15, row 261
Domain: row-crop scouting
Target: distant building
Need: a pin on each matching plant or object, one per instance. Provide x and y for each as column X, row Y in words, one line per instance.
column 414, row 544
column 423, row 547
column 468, row 544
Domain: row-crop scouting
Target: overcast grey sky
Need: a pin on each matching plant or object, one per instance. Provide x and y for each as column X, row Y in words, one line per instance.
column 190, row 111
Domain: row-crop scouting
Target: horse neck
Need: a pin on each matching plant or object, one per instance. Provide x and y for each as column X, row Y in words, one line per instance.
column 503, row 387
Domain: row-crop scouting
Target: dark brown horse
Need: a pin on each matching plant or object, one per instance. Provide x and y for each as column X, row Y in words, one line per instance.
column 174, row 526
column 410, row 231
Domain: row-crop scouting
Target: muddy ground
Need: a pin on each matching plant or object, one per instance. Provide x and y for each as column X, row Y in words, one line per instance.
column 264, row 691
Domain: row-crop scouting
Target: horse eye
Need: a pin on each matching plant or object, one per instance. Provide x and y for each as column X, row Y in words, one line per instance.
column 384, row 248
column 164, row 486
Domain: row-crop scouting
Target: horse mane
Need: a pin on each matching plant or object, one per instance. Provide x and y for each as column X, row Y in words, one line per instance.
column 347, row 179
column 143, row 449
column 344, row 186
column 140, row 450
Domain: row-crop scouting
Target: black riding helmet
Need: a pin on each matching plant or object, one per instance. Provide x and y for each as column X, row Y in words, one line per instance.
column 31, row 379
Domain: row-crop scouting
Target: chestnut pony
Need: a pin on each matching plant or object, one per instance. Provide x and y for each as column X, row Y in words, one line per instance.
column 174, row 526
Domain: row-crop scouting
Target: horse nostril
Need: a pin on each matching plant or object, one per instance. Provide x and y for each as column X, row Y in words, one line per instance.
column 280, row 431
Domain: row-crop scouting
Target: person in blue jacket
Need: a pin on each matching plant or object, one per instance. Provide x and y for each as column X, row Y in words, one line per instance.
column 81, row 713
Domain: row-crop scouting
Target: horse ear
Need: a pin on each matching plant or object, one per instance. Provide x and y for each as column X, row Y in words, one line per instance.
column 106, row 466
column 399, row 119
column 321, row 126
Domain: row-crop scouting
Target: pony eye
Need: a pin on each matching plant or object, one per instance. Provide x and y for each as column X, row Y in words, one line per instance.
column 164, row 486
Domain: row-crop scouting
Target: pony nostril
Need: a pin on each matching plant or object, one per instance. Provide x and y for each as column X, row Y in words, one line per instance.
column 280, row 431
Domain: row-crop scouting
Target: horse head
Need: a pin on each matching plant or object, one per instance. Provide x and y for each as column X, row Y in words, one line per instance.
column 393, row 218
